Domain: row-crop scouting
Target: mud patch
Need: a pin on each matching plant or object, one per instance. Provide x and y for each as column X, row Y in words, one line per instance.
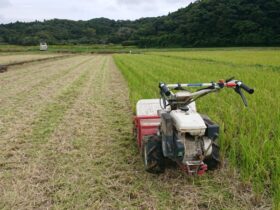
column 3, row 68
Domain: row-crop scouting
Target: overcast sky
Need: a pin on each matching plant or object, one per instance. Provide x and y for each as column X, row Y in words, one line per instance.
column 29, row 10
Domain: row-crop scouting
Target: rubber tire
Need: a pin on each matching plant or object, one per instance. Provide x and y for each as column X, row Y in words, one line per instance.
column 153, row 156
column 213, row 162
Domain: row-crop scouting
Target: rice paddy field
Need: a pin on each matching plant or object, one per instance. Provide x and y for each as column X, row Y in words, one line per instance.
column 250, row 137
column 66, row 137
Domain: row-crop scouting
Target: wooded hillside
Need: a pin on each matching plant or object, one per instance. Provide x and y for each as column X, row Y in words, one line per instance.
column 204, row 23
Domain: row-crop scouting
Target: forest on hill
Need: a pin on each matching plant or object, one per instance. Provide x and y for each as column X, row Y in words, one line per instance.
column 204, row 23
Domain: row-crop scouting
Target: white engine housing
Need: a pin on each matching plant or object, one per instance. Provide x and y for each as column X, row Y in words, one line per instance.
column 188, row 122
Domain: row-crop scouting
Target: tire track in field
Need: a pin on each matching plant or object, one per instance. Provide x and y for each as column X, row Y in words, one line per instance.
column 29, row 176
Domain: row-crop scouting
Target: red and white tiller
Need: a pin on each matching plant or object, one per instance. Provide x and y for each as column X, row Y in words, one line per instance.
column 171, row 128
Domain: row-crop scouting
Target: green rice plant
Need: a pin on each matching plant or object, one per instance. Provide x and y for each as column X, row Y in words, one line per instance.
column 249, row 136
column 250, row 57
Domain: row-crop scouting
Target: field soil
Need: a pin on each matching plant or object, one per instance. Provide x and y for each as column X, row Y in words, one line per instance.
column 66, row 143
column 7, row 59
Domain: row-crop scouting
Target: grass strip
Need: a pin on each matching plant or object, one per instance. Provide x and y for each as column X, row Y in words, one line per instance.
column 213, row 61
column 54, row 112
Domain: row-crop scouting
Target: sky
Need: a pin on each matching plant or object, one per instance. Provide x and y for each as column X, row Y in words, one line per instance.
column 30, row 10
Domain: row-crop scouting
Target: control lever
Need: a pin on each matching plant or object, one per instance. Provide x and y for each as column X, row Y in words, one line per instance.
column 230, row 79
column 238, row 90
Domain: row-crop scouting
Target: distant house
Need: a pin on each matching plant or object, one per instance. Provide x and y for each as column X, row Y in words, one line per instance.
column 43, row 46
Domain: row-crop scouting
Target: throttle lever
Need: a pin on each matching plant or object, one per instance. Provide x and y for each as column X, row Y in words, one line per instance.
column 229, row 79
column 238, row 90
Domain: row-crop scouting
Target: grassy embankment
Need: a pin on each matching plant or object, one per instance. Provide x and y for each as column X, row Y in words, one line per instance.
column 96, row 48
column 111, row 48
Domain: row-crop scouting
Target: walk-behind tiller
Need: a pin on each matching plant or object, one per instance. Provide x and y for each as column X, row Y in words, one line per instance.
column 171, row 128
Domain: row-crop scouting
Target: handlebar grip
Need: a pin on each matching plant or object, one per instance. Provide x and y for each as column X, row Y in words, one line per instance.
column 247, row 89
column 164, row 89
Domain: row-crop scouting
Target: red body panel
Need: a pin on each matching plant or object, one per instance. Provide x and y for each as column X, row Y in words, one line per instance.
column 230, row 84
column 145, row 125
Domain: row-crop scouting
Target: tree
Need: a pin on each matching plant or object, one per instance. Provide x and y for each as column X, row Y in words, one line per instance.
column 203, row 23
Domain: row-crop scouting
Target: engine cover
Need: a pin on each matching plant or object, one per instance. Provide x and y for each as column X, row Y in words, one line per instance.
column 194, row 147
column 188, row 122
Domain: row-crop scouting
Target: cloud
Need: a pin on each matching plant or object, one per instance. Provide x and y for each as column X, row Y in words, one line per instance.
column 139, row 2
column 5, row 3
column 134, row 2
column 4, row 20
column 26, row 10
